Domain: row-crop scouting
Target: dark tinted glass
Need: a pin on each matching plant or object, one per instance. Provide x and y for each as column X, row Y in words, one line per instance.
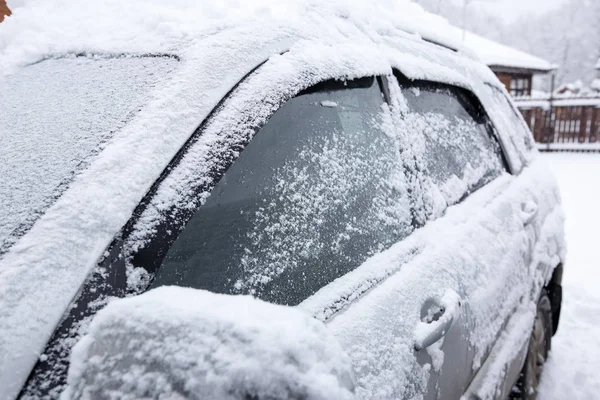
column 316, row 192
column 460, row 151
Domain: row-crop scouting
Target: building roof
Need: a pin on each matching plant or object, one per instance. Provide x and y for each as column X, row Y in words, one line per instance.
column 498, row 55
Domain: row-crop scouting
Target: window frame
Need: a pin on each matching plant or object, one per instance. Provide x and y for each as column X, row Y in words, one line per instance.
column 520, row 85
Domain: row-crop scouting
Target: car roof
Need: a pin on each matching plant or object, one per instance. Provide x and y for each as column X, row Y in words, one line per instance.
column 43, row 270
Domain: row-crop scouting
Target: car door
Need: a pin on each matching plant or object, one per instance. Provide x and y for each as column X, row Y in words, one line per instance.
column 535, row 201
column 317, row 210
column 492, row 246
column 419, row 329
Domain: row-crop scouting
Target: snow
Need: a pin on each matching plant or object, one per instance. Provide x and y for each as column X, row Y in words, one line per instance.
column 217, row 44
column 403, row 277
column 70, row 108
column 177, row 343
column 572, row 369
column 495, row 54
column 450, row 305
column 329, row 103
column 525, row 103
column 153, row 26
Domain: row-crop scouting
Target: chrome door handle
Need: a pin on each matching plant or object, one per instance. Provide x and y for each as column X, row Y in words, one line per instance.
column 428, row 332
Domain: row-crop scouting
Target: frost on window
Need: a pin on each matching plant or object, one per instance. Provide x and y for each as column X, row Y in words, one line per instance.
column 56, row 115
column 453, row 138
column 317, row 191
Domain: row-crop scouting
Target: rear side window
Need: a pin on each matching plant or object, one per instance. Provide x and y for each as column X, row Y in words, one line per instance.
column 453, row 135
column 316, row 192
column 516, row 127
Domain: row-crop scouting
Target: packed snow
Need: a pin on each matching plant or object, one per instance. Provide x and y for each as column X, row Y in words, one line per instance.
column 572, row 371
column 181, row 343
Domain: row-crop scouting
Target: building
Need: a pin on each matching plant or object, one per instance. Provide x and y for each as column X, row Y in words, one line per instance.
column 4, row 10
column 514, row 68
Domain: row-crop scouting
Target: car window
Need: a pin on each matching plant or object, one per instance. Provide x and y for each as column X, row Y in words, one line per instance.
column 518, row 129
column 316, row 192
column 453, row 135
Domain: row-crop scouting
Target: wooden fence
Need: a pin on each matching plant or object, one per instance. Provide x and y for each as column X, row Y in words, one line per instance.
column 563, row 124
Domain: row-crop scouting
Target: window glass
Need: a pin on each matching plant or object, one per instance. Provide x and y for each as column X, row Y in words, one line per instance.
column 316, row 192
column 520, row 85
column 512, row 120
column 456, row 140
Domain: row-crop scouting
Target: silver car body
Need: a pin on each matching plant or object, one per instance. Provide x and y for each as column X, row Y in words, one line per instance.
column 484, row 260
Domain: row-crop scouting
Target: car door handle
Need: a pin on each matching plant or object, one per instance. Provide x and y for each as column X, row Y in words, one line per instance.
column 434, row 326
column 528, row 211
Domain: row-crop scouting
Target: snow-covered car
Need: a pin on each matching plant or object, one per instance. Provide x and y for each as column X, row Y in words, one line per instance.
column 333, row 162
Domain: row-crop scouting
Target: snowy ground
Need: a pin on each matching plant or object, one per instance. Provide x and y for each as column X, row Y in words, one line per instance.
column 573, row 370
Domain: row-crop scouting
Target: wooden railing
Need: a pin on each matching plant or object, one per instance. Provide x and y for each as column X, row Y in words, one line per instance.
column 563, row 123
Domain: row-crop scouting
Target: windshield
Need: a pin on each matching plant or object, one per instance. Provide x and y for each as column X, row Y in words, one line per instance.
column 56, row 114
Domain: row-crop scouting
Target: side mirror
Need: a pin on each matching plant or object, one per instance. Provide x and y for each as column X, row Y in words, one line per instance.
column 177, row 343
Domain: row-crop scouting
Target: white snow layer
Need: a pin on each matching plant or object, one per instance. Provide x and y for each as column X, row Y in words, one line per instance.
column 63, row 111
column 218, row 44
column 446, row 253
column 44, row 27
column 498, row 55
column 572, row 371
column 180, row 343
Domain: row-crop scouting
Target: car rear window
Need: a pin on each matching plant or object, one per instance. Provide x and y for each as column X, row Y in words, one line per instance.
column 56, row 114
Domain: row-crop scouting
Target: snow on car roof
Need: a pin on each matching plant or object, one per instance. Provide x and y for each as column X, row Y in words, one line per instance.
column 495, row 54
column 59, row 26
column 218, row 43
